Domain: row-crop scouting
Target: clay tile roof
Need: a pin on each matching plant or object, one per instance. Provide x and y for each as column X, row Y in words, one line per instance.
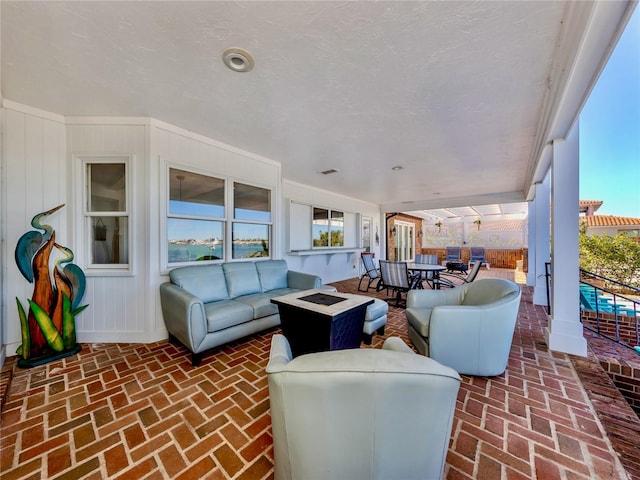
column 585, row 204
column 609, row 221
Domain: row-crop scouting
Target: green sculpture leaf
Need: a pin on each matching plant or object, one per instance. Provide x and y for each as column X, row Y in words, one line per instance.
column 25, row 348
column 68, row 324
column 49, row 330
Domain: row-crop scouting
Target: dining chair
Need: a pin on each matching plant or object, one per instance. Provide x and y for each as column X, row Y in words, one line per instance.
column 395, row 277
column 371, row 271
column 420, row 277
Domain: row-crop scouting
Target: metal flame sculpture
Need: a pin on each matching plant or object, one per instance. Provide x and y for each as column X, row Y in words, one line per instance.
column 48, row 329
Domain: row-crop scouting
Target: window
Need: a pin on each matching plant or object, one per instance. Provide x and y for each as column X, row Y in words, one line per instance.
column 196, row 217
column 320, row 227
column 107, row 212
column 203, row 214
column 328, row 228
column 633, row 233
column 366, row 234
column 251, row 237
column 337, row 228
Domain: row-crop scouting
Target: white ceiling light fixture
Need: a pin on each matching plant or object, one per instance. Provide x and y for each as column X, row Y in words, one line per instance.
column 397, row 168
column 238, row 59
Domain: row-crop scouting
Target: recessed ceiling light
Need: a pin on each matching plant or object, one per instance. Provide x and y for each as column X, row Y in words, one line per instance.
column 238, row 59
column 330, row 171
column 397, row 168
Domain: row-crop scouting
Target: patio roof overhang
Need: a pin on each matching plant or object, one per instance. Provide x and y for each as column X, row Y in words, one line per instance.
column 464, row 96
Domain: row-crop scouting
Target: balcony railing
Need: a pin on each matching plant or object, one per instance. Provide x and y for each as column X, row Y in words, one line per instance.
column 610, row 308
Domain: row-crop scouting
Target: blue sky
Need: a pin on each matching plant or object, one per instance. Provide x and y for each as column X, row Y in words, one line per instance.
column 610, row 131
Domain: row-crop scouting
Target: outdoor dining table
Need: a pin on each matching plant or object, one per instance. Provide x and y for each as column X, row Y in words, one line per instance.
column 426, row 267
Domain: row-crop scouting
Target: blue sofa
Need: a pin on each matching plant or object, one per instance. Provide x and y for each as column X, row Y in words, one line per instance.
column 205, row 306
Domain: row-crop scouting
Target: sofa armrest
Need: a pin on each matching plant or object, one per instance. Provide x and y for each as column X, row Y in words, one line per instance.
column 397, row 345
column 280, row 354
column 184, row 315
column 303, row 281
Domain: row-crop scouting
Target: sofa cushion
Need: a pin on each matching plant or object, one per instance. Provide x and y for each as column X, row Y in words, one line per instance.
column 273, row 274
column 242, row 278
column 419, row 319
column 226, row 313
column 207, row 282
column 260, row 303
column 282, row 291
column 376, row 310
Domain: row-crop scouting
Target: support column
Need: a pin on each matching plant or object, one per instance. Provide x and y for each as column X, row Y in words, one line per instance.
column 565, row 333
column 531, row 232
column 540, row 236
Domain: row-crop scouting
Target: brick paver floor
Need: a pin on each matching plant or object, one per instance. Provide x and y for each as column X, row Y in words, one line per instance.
column 142, row 411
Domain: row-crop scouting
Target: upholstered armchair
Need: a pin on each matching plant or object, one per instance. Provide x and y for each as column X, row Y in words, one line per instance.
column 468, row 328
column 360, row 414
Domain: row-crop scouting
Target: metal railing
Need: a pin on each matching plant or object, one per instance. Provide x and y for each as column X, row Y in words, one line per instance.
column 602, row 295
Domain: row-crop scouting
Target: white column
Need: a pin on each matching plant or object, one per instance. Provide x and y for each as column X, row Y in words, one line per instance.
column 541, row 241
column 564, row 333
column 531, row 232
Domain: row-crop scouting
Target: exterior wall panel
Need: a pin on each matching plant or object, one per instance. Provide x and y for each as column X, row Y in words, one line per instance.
column 35, row 169
column 118, row 308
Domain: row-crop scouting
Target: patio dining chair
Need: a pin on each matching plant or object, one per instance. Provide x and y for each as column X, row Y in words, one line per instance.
column 372, row 273
column 395, row 277
column 420, row 277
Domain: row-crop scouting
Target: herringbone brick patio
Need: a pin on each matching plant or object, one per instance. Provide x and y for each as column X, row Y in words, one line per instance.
column 133, row 411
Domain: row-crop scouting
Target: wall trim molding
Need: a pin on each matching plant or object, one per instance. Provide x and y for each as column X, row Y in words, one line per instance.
column 36, row 112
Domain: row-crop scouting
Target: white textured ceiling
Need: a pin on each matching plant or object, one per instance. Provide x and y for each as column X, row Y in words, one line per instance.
column 454, row 92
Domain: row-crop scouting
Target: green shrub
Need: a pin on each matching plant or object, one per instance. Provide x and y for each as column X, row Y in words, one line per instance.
column 616, row 257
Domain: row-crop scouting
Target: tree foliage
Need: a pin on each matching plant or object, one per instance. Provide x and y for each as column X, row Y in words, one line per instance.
column 337, row 239
column 616, row 257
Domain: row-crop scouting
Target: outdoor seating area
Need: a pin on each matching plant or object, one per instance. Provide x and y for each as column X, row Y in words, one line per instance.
column 376, row 264
column 143, row 411
column 398, row 278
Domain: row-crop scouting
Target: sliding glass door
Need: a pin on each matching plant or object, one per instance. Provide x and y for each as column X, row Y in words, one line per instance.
column 404, row 241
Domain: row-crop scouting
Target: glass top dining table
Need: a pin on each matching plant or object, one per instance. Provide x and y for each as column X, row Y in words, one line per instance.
column 434, row 282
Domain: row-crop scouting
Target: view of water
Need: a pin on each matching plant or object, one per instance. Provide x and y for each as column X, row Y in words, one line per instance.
column 192, row 253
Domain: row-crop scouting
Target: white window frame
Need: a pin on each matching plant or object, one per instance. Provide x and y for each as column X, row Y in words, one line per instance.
column 114, row 269
column 165, row 215
column 228, row 220
column 231, row 214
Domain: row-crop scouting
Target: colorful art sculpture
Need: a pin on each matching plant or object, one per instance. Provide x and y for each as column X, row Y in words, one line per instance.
column 48, row 329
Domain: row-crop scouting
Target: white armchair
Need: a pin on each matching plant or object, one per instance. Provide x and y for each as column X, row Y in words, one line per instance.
column 360, row 414
column 468, row 328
